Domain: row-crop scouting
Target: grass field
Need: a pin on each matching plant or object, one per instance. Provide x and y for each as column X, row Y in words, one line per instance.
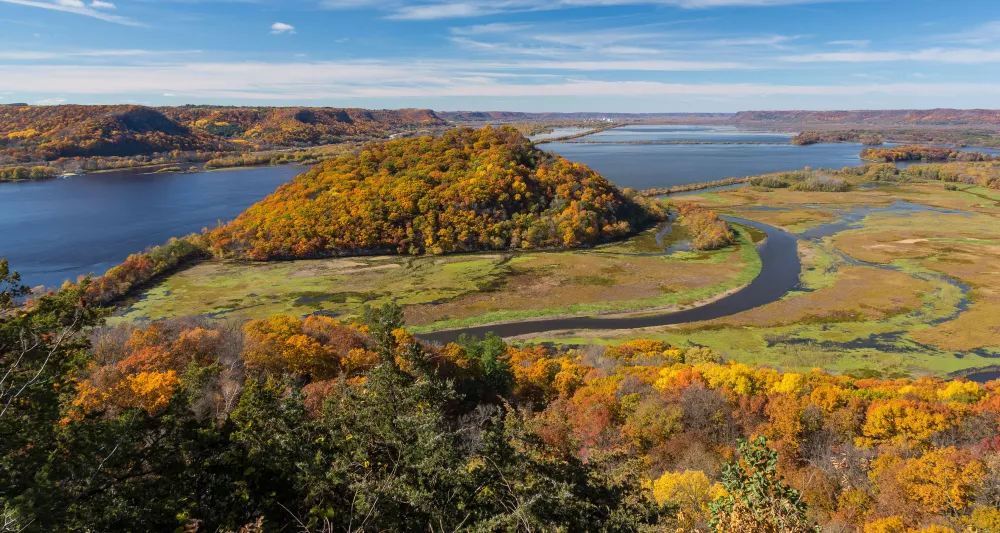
column 456, row 290
column 896, row 289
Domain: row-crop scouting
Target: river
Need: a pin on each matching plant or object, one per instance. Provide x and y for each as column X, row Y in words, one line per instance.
column 780, row 269
column 648, row 166
column 56, row 230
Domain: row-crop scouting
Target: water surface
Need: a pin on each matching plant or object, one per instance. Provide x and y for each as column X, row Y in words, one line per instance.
column 648, row 166
column 693, row 134
column 56, row 230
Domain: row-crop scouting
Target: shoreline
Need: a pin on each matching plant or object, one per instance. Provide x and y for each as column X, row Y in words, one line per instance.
column 194, row 168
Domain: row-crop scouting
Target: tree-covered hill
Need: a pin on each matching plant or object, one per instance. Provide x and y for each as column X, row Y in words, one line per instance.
column 487, row 189
column 46, row 133
column 298, row 126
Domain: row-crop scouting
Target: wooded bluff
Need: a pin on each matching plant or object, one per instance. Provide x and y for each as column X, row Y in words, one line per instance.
column 46, row 133
column 487, row 189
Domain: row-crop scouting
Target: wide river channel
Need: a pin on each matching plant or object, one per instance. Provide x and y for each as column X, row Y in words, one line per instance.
column 56, row 230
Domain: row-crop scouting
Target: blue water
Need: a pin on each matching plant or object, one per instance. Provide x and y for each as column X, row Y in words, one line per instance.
column 56, row 230
column 672, row 133
column 648, row 166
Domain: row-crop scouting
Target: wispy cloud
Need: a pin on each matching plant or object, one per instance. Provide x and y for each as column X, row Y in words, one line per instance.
column 774, row 41
column 78, row 7
column 486, row 29
column 987, row 32
column 855, row 43
column 37, row 55
column 964, row 56
column 649, row 41
column 450, row 9
column 386, row 79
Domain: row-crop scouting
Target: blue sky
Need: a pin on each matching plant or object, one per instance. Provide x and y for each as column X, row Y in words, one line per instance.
column 519, row 55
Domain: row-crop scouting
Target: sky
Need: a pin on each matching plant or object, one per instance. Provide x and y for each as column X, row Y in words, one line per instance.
column 516, row 55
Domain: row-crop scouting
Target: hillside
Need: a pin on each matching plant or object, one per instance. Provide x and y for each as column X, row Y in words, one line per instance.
column 34, row 133
column 46, row 133
column 514, row 116
column 272, row 126
column 901, row 117
column 859, row 118
column 468, row 190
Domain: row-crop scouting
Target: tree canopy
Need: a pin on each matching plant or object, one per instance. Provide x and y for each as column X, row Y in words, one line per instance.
column 467, row 190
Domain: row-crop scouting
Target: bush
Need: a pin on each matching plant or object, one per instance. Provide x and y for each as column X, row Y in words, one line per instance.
column 822, row 184
column 770, row 182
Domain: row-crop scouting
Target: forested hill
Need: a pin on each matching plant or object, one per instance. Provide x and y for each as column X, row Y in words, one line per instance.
column 45, row 133
column 898, row 117
column 871, row 118
column 514, row 116
column 468, row 190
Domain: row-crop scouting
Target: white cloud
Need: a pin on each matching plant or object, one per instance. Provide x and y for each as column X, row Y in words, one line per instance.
column 377, row 79
column 776, row 41
column 496, row 27
column 99, row 4
column 350, row 4
column 76, row 7
column 280, row 27
column 35, row 55
column 964, row 56
column 445, row 9
column 987, row 32
column 856, row 43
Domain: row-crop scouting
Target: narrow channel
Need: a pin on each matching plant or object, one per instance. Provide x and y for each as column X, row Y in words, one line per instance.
column 780, row 270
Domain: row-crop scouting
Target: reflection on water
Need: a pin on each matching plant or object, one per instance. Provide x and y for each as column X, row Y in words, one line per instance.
column 56, row 230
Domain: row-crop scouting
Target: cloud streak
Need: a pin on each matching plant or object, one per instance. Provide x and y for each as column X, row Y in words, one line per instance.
column 77, row 7
column 453, row 9
column 332, row 80
column 38, row 55
column 962, row 56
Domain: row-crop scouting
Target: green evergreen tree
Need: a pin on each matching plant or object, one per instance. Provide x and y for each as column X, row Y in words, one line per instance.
column 757, row 500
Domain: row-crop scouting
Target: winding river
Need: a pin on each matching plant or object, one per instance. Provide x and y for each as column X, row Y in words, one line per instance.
column 780, row 269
